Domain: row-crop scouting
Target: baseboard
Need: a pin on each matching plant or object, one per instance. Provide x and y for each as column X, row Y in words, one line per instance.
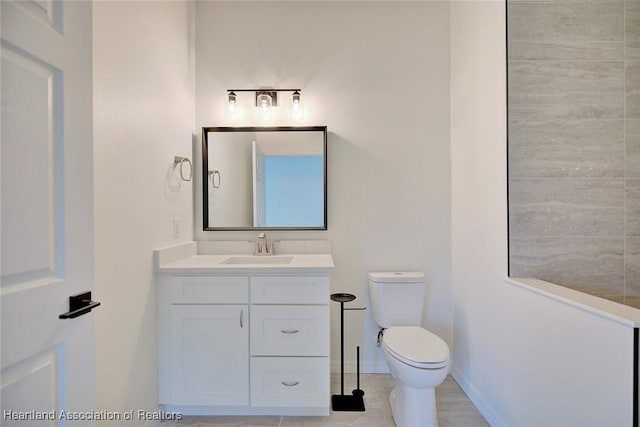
column 476, row 398
column 366, row 367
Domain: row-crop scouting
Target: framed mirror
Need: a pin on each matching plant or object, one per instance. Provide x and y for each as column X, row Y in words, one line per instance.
column 264, row 178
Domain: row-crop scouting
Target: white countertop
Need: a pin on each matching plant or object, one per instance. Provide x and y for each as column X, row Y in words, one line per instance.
column 213, row 264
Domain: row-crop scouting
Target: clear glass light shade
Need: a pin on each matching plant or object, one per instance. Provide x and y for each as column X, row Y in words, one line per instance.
column 232, row 104
column 296, row 105
column 264, row 103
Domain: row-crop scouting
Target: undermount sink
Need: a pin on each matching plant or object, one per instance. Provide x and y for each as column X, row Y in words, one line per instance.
column 258, row 260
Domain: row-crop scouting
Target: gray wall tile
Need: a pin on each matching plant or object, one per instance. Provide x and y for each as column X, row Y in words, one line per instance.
column 594, row 265
column 632, row 209
column 566, row 21
column 632, row 89
column 632, row 138
column 566, row 106
column 564, row 1
column 550, row 77
column 527, row 50
column 632, row 266
column 632, row 29
column 574, row 143
column 566, row 207
column 570, row 148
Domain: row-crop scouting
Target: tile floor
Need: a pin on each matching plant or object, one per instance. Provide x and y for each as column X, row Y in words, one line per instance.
column 454, row 409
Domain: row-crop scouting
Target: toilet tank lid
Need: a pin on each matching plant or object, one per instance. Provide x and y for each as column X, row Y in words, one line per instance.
column 396, row 276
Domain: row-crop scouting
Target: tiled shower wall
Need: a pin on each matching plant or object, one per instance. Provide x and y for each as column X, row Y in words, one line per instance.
column 574, row 144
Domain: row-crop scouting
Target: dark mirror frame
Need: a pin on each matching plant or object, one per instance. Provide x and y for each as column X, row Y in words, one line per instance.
column 205, row 168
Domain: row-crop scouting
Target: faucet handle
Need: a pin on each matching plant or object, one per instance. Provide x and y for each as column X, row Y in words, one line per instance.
column 262, row 247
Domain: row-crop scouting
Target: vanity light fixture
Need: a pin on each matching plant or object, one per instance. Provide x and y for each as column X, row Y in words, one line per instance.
column 265, row 100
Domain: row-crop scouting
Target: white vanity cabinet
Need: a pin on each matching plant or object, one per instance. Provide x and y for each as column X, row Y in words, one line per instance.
column 244, row 343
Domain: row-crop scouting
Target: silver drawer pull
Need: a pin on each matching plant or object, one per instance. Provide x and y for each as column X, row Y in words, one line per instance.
column 290, row 383
column 289, row 331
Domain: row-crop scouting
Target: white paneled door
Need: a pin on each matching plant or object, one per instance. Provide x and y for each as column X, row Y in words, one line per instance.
column 48, row 364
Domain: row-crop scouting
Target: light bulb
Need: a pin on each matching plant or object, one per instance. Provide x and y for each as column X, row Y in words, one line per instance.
column 232, row 103
column 296, row 105
column 264, row 103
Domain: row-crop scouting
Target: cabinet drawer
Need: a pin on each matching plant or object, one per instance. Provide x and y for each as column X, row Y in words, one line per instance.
column 290, row 290
column 290, row 381
column 288, row 330
column 209, row 289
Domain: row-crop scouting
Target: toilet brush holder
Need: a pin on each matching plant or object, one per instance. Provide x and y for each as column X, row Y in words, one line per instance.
column 343, row 402
column 353, row 402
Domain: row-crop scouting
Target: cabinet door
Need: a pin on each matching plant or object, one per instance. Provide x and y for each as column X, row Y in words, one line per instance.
column 210, row 355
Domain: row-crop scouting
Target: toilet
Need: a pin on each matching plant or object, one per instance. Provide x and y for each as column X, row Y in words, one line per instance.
column 418, row 359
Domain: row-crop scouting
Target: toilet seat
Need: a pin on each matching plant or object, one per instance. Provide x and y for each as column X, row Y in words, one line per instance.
column 415, row 346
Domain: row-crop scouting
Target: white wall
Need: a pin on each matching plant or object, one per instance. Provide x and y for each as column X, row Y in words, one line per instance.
column 143, row 116
column 524, row 359
column 230, row 205
column 377, row 74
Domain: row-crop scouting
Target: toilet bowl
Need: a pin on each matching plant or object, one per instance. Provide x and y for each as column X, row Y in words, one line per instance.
column 418, row 359
column 419, row 362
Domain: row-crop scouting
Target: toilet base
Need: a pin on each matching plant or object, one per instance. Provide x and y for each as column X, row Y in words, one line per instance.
column 413, row 407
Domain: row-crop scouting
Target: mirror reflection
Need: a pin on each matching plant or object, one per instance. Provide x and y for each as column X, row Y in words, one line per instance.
column 264, row 178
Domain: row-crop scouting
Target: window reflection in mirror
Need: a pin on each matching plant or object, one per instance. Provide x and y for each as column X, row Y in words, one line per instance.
column 264, row 178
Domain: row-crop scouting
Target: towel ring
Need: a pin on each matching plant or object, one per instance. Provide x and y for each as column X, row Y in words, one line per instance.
column 212, row 175
column 177, row 160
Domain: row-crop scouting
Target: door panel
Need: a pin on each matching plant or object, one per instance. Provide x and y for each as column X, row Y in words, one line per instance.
column 40, row 372
column 46, row 208
column 30, row 214
column 48, row 12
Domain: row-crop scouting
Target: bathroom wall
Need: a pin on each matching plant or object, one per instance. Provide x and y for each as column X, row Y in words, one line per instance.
column 377, row 74
column 574, row 145
column 231, row 204
column 143, row 116
column 524, row 359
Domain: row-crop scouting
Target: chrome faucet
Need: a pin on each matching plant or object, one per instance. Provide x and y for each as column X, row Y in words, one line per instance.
column 262, row 246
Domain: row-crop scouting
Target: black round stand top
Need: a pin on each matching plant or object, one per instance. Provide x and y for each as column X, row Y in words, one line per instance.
column 342, row 297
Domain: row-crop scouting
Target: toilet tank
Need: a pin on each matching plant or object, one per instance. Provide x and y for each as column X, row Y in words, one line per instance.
column 397, row 298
